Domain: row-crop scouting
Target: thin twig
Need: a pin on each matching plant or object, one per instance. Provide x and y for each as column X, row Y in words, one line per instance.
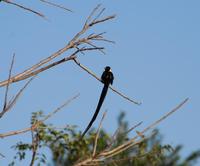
column 35, row 144
column 127, row 147
column 91, row 14
column 14, row 100
column 71, row 57
column 7, row 86
column 73, row 43
column 97, row 134
column 56, row 5
column 2, row 155
column 102, row 156
column 165, row 116
column 114, row 90
column 25, row 8
column 101, row 50
column 113, row 138
column 131, row 141
column 60, row 108
column 102, row 20
column 132, row 128
column 34, row 126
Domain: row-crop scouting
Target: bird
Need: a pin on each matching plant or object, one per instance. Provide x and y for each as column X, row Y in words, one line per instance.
column 107, row 79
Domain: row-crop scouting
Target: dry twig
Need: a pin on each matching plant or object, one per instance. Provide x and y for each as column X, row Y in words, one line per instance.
column 14, row 100
column 34, row 126
column 7, row 86
column 97, row 134
column 8, row 105
column 114, row 90
column 35, row 144
column 56, row 5
column 102, row 156
column 113, row 138
column 25, row 8
column 2, row 155
column 75, row 42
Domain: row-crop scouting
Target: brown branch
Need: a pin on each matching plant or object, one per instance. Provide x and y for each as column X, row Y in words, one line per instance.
column 36, row 125
column 91, row 14
column 102, row 156
column 97, row 134
column 7, row 86
column 114, row 153
column 114, row 90
column 56, row 5
column 165, row 116
column 131, row 141
column 113, row 138
column 132, row 128
column 71, row 57
column 14, row 100
column 73, row 43
column 60, row 108
column 35, row 144
column 24, row 8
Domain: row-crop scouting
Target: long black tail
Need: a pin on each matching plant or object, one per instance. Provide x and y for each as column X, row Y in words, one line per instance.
column 102, row 97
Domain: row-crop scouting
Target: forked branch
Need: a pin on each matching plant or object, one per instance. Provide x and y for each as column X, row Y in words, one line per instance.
column 76, row 42
column 109, row 153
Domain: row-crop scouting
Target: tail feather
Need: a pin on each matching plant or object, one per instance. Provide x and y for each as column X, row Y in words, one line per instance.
column 102, row 97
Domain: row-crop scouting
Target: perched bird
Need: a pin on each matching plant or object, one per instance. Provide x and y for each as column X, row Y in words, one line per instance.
column 107, row 79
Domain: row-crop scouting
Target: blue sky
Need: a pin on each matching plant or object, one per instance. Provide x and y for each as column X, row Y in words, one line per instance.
column 155, row 60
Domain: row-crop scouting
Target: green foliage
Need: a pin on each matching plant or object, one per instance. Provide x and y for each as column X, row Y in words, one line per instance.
column 68, row 148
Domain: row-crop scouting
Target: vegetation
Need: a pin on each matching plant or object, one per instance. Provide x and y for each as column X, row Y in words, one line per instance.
column 65, row 144
column 68, row 149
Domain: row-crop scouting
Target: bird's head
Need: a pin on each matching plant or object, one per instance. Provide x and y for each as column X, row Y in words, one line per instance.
column 107, row 68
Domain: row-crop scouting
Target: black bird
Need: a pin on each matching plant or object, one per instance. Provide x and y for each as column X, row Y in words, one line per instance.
column 106, row 78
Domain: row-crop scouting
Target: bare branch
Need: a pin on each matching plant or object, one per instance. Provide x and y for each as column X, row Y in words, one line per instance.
column 91, row 14
column 34, row 126
column 132, row 128
column 60, row 108
column 114, row 90
column 102, row 20
column 14, row 100
column 2, row 155
column 165, row 116
column 97, row 134
column 56, row 5
column 24, row 8
column 7, row 86
column 71, row 57
column 131, row 141
column 74, row 43
column 113, row 138
column 35, row 144
column 105, row 154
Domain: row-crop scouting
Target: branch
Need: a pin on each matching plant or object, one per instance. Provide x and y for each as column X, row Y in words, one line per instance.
column 7, row 86
column 131, row 141
column 2, row 155
column 71, row 57
column 36, row 125
column 35, row 144
column 14, row 100
column 114, row 90
column 105, row 154
column 24, row 8
column 113, row 138
column 72, row 44
column 56, row 5
column 97, row 134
